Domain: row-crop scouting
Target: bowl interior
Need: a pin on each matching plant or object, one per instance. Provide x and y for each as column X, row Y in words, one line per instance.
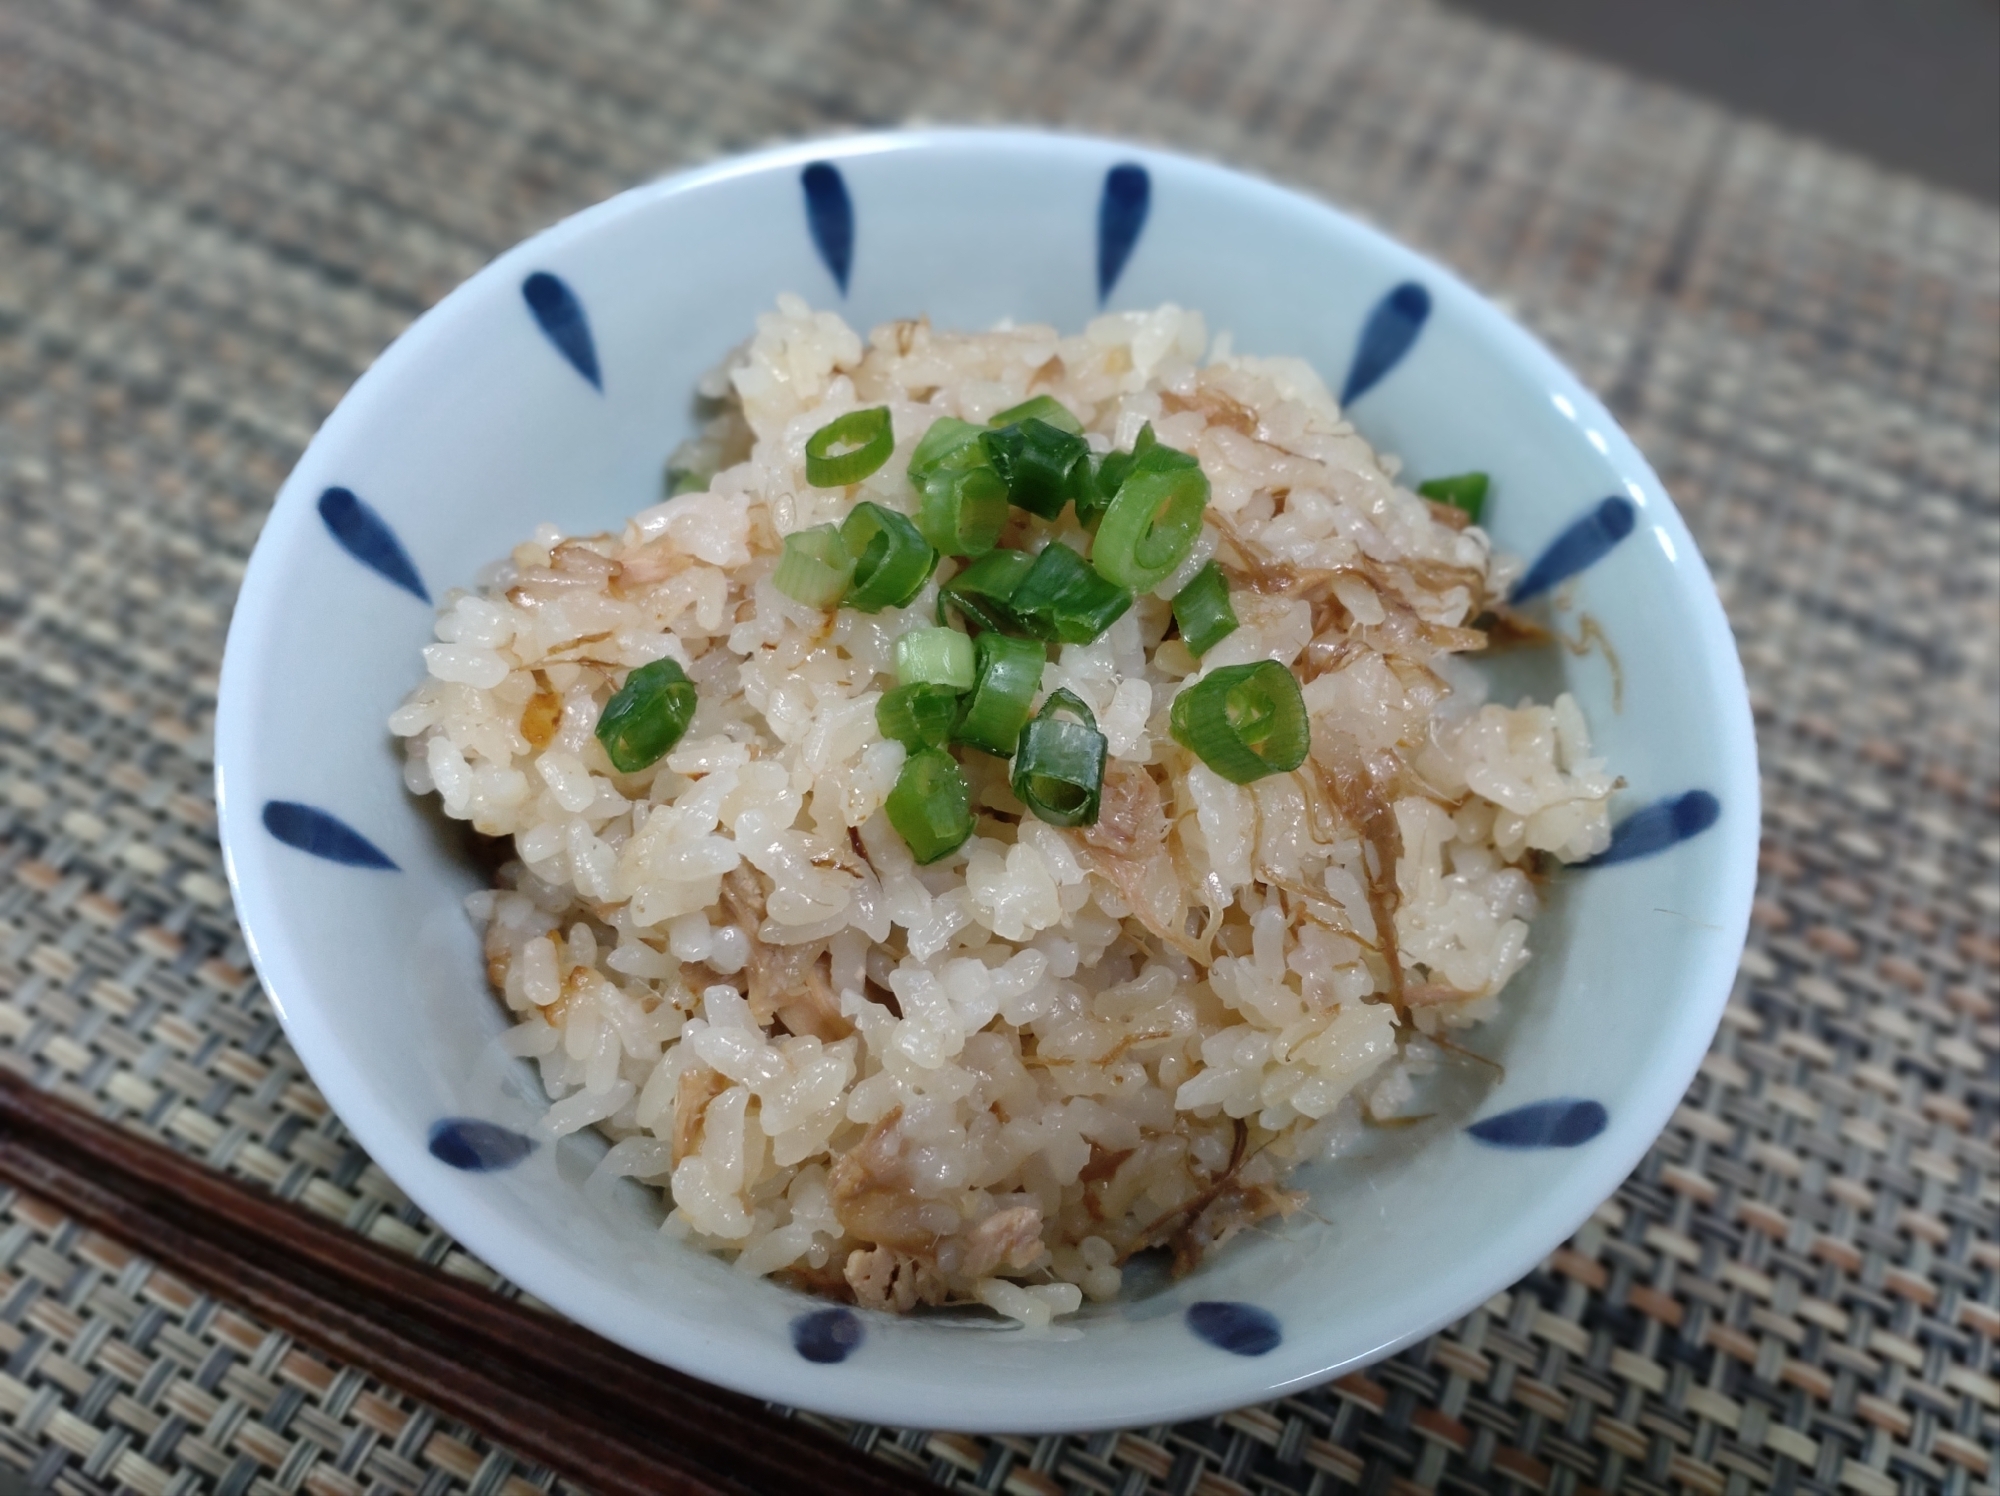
column 552, row 386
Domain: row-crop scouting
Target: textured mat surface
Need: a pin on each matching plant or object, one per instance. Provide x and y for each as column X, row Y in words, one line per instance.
column 212, row 216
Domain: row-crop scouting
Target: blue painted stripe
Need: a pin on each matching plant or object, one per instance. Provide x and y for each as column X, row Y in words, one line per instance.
column 1121, row 217
column 1585, row 543
column 318, row 834
column 827, row 1336
column 478, row 1147
column 830, row 216
column 561, row 317
column 1561, row 1123
column 1240, row 1329
column 1388, row 334
column 366, row 536
column 1663, row 824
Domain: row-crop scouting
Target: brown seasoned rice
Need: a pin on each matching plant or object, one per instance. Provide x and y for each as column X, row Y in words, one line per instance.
column 995, row 1077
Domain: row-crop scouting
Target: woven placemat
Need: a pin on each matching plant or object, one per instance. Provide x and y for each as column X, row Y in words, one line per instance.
column 212, row 216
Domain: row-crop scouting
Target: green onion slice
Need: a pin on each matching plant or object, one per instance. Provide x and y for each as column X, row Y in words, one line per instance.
column 1059, row 765
column 849, row 449
column 931, row 805
column 1040, row 408
column 1034, row 460
column 815, row 568
column 935, row 657
column 982, row 590
column 1083, row 490
column 1203, row 611
column 892, row 560
column 685, row 480
column 1061, row 598
column 1465, row 491
column 1244, row 721
column 1152, row 524
column 646, row 716
column 1110, row 474
column 1009, row 673
column 918, row 716
column 962, row 510
column 950, row 443
column 964, row 503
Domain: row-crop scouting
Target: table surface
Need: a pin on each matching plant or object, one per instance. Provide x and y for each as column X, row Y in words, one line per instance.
column 213, row 216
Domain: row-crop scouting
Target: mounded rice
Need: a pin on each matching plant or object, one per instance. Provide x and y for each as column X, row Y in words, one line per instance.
column 993, row 1078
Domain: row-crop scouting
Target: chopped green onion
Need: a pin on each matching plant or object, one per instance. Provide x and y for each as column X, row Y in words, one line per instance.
column 1202, row 610
column 964, row 503
column 685, row 480
column 1110, row 475
column 1061, row 598
column 1466, row 491
column 918, row 716
column 1034, row 460
column 1059, row 765
column 1153, row 523
column 935, row 657
column 1244, row 721
column 1082, row 488
column 815, row 568
column 982, row 590
column 1040, row 408
column 849, row 449
column 963, row 510
column 1093, row 497
column 646, row 716
column 931, row 805
column 892, row 560
column 1009, row 674
column 949, row 443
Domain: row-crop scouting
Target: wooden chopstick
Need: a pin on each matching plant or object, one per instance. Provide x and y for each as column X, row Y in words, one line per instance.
column 557, row 1394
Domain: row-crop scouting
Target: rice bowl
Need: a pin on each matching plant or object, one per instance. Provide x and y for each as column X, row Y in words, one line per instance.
column 505, row 407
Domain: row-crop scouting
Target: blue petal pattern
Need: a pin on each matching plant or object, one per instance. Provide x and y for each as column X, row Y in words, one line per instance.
column 1585, row 543
column 479, row 1147
column 1121, row 215
column 560, row 315
column 313, row 831
column 1561, row 1123
column 827, row 1336
column 366, row 536
column 1663, row 824
column 830, row 216
column 1240, row 1329
column 1389, row 333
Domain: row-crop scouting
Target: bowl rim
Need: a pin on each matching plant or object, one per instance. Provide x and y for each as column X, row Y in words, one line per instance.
column 1592, row 1175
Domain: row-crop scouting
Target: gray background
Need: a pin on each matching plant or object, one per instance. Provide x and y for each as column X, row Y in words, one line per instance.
column 1914, row 84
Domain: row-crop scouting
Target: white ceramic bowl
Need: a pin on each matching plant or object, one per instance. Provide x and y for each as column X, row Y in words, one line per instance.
column 552, row 385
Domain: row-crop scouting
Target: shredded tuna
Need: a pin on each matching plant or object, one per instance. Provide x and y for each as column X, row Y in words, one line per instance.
column 1228, row 1213
column 698, row 1086
column 813, row 1009
column 870, row 1185
column 1012, row 1238
column 885, row 1279
column 1131, row 818
column 1361, row 788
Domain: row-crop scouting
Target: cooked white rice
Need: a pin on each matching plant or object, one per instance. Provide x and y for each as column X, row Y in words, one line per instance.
column 993, row 1078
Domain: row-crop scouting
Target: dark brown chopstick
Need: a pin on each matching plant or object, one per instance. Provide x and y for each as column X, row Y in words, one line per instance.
column 557, row 1394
